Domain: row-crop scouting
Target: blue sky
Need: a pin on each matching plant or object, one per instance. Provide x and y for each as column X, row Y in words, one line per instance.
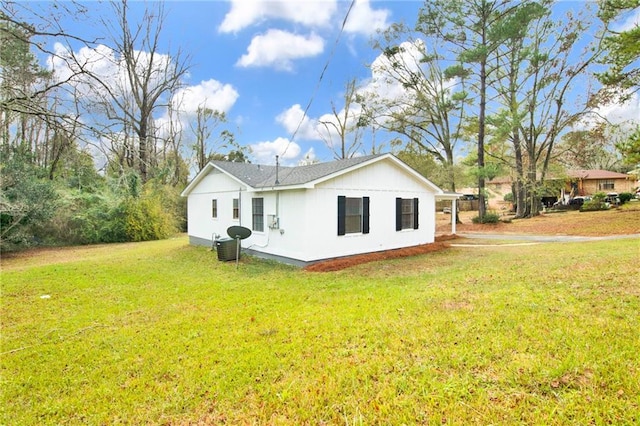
column 273, row 55
column 260, row 62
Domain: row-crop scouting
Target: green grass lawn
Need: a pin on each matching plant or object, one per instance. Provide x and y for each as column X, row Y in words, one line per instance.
column 163, row 333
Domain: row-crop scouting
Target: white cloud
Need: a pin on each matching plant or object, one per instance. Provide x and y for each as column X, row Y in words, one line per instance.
column 106, row 65
column 308, row 158
column 324, row 128
column 365, row 20
column 384, row 90
column 100, row 61
column 208, row 94
column 278, row 48
column 295, row 121
column 265, row 152
column 109, row 68
column 628, row 112
column 384, row 76
column 630, row 21
column 328, row 124
column 625, row 115
column 310, row 13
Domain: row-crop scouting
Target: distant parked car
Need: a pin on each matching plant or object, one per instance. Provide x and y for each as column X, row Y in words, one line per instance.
column 578, row 201
column 469, row 197
column 612, row 198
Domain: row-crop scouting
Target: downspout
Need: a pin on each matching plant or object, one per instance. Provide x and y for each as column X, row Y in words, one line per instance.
column 240, row 206
column 277, row 192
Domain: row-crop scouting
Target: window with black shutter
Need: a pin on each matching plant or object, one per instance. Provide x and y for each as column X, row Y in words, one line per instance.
column 353, row 215
column 406, row 213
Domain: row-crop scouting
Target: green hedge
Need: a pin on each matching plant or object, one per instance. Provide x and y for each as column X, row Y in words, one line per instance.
column 488, row 218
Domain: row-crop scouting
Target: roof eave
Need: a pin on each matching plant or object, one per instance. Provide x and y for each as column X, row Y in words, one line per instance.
column 279, row 187
column 204, row 172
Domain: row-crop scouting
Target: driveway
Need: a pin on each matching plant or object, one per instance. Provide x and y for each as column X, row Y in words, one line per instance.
column 544, row 238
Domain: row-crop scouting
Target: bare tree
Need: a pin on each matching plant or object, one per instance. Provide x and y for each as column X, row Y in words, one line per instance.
column 29, row 101
column 128, row 103
column 343, row 125
column 589, row 149
column 206, row 120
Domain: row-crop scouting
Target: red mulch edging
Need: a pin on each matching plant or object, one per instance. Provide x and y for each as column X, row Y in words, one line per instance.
column 349, row 261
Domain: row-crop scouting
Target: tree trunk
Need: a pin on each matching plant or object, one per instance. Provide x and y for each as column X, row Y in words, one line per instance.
column 481, row 129
column 142, row 150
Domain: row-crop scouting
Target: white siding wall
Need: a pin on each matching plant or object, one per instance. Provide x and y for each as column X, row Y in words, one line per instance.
column 309, row 218
column 213, row 186
column 290, row 239
column 382, row 183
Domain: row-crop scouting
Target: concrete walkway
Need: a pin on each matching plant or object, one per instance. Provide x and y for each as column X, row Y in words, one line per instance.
column 544, row 238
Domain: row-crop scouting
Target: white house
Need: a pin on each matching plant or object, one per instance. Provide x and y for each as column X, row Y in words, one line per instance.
column 304, row 214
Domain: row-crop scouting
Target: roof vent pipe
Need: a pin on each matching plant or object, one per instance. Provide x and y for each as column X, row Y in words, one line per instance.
column 277, row 166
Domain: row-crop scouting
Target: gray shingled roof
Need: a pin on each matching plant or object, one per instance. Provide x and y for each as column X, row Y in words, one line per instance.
column 260, row 176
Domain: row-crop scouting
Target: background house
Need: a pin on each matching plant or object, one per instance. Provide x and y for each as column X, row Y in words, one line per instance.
column 588, row 182
column 308, row 213
column 496, row 189
column 577, row 183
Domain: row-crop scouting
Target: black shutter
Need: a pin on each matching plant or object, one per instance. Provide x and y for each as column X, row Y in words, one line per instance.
column 415, row 213
column 365, row 215
column 398, row 214
column 342, row 212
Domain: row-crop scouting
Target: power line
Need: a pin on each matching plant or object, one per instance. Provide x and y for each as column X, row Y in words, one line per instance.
column 324, row 69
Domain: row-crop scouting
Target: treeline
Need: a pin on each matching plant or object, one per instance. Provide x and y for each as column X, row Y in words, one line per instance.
column 51, row 191
column 515, row 80
column 82, row 157
column 79, row 206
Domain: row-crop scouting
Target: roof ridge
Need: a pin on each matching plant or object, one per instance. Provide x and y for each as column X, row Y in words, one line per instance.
column 262, row 175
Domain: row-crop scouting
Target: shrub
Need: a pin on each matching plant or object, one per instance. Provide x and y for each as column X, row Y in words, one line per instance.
column 488, row 218
column 147, row 218
column 87, row 217
column 27, row 199
column 596, row 203
column 118, row 212
column 625, row 197
column 599, row 197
